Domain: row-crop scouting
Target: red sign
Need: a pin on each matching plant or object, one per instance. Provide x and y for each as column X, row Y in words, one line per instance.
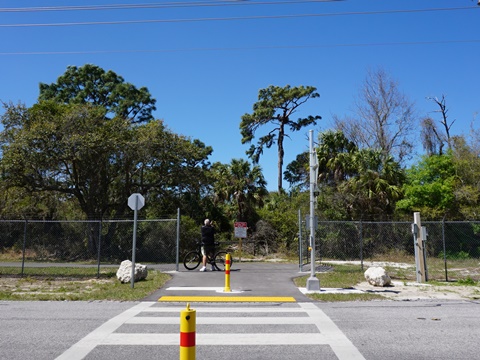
column 241, row 229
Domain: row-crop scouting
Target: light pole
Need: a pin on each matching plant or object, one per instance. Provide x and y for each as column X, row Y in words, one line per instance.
column 313, row 284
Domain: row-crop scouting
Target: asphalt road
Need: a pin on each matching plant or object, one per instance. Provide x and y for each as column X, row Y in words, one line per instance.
column 376, row 330
column 379, row 330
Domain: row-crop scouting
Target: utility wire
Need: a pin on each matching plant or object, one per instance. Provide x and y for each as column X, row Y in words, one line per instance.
column 159, row 5
column 125, row 22
column 361, row 45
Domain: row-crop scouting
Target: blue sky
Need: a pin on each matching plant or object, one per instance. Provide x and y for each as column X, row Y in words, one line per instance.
column 205, row 63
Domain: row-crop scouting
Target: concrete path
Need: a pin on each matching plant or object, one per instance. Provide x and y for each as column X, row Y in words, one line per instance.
column 247, row 279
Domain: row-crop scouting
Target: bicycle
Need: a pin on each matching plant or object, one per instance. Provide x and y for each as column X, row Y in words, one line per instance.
column 194, row 258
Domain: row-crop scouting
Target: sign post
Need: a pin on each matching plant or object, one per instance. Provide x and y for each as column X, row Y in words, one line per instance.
column 240, row 233
column 135, row 202
column 241, row 230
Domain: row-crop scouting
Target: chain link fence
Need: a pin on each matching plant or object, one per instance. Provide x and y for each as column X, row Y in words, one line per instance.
column 452, row 248
column 92, row 242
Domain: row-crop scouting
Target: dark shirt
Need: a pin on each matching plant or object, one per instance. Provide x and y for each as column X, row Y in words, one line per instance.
column 208, row 233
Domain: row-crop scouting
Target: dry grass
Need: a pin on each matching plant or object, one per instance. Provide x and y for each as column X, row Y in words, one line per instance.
column 74, row 284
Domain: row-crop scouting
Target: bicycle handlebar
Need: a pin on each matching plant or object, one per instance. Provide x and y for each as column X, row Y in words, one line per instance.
column 199, row 242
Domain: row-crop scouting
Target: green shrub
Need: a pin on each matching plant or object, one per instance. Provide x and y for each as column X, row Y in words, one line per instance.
column 461, row 255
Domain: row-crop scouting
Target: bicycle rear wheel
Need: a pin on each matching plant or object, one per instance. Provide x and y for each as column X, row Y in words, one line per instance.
column 220, row 258
column 192, row 260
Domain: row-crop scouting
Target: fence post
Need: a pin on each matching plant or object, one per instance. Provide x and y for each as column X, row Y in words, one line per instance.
column 24, row 245
column 178, row 240
column 300, row 250
column 99, row 248
column 444, row 249
column 361, row 244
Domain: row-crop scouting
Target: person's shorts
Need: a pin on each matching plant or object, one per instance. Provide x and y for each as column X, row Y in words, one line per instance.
column 208, row 250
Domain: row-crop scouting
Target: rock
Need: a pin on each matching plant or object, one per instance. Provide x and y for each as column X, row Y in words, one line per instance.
column 377, row 276
column 124, row 272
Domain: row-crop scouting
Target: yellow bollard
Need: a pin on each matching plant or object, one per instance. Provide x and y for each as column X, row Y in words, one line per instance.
column 188, row 320
column 227, row 273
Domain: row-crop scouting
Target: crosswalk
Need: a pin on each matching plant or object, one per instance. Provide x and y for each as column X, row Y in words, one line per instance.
column 263, row 331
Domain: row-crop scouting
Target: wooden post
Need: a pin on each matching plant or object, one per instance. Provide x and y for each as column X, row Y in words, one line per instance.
column 419, row 249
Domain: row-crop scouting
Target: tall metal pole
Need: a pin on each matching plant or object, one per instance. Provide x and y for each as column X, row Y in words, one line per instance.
column 313, row 284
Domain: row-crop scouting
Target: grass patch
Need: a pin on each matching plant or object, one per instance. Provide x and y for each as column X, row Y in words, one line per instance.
column 77, row 272
column 343, row 277
column 468, row 281
column 75, row 284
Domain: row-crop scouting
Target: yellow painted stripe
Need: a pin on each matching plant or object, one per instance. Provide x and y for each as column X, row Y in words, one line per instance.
column 228, row 298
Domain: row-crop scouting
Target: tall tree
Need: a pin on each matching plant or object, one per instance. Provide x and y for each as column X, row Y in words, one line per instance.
column 430, row 187
column 274, row 109
column 92, row 84
column 373, row 192
column 240, row 187
column 334, row 153
column 384, row 118
column 297, row 172
column 466, row 158
column 444, row 121
column 432, row 139
column 64, row 149
column 72, row 150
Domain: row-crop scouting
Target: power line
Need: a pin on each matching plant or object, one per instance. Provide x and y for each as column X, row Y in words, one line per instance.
column 280, row 47
column 158, row 5
column 125, row 22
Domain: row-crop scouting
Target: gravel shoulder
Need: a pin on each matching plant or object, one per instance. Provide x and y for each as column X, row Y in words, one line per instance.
column 405, row 290
column 416, row 291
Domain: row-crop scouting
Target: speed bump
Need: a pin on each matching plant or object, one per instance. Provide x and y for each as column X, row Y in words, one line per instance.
column 227, row 299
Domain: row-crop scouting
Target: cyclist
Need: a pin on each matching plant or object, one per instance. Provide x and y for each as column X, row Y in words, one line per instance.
column 208, row 243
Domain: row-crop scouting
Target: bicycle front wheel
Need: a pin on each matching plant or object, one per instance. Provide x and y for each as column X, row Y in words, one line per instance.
column 220, row 259
column 192, row 260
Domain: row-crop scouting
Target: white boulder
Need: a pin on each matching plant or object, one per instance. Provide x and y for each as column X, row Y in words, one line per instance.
column 377, row 276
column 124, row 272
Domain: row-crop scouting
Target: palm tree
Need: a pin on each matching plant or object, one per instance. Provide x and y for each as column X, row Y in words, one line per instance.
column 240, row 188
column 375, row 188
column 334, row 153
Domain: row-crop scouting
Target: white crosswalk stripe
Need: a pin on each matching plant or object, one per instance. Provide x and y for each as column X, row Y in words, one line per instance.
column 214, row 339
column 225, row 320
column 145, row 314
